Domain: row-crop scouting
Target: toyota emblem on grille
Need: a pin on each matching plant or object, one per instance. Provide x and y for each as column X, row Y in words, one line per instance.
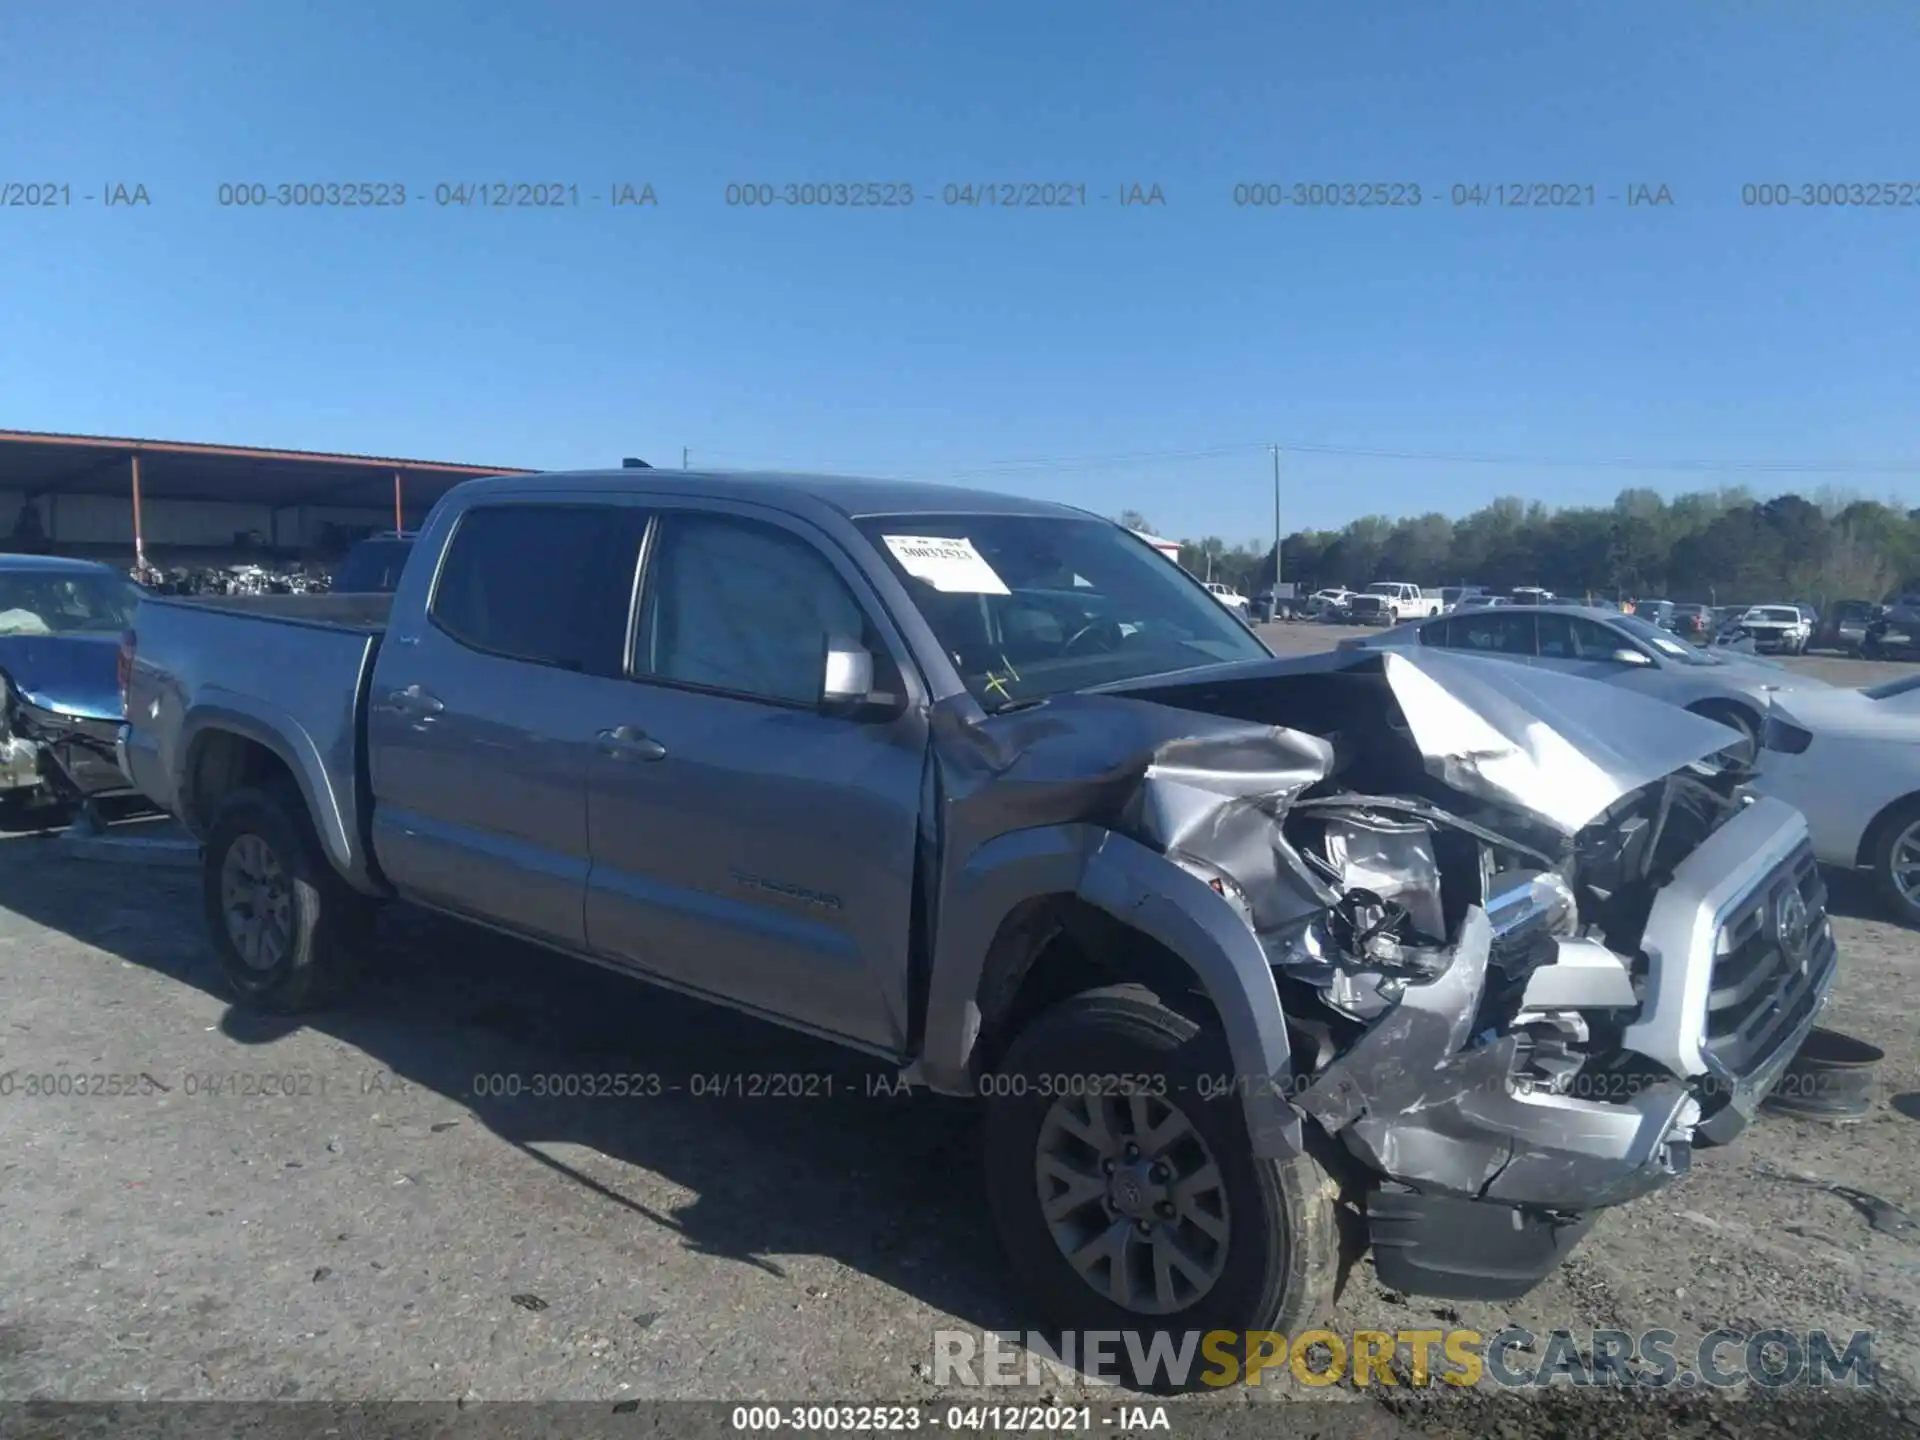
column 1791, row 924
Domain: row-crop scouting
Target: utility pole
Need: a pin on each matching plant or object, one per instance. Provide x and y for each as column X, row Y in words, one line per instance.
column 1276, row 525
column 683, row 457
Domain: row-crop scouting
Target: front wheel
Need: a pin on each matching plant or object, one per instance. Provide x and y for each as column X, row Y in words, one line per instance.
column 1147, row 1210
column 288, row 932
column 1895, row 859
column 1747, row 747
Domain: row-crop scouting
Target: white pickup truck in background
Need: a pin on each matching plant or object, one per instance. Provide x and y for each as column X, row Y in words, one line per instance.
column 1388, row 602
column 1227, row 596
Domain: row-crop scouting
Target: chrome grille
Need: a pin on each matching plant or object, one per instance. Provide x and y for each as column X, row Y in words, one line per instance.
column 1761, row 993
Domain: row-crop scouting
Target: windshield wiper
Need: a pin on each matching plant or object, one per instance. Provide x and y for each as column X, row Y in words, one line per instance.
column 1007, row 707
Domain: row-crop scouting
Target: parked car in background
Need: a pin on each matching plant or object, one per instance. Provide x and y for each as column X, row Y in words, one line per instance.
column 1531, row 595
column 1482, row 602
column 982, row 789
column 1777, row 629
column 1894, row 633
column 60, row 627
column 1452, row 595
column 1655, row 612
column 1618, row 649
column 1857, row 780
column 1693, row 622
column 1275, row 603
column 1329, row 604
column 1844, row 627
column 373, row 565
column 1228, row 596
column 1388, row 602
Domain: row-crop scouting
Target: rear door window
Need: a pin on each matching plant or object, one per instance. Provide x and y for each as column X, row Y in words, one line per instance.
column 547, row 584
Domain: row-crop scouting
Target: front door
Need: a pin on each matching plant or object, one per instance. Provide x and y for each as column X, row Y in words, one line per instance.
column 744, row 842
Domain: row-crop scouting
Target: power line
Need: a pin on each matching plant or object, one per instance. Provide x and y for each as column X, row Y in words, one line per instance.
column 1070, row 464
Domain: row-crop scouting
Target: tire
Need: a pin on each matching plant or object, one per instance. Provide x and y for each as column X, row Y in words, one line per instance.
column 1896, row 841
column 324, row 928
column 1277, row 1262
column 1731, row 715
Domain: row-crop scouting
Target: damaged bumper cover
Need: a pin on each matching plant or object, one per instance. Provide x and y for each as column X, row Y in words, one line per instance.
column 1420, row 1106
column 1093, row 794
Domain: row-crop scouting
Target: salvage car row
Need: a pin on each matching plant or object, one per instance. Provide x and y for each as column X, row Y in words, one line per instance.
column 985, row 788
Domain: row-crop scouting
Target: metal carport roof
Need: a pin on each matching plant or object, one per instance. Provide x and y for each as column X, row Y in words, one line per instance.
column 40, row 463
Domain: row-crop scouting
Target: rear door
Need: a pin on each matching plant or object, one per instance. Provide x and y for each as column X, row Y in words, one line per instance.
column 481, row 720
column 745, row 843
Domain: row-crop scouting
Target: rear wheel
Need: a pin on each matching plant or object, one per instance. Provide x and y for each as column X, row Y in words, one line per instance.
column 288, row 932
column 1146, row 1210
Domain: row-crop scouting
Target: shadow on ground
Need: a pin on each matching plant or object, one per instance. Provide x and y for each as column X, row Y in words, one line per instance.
column 885, row 1184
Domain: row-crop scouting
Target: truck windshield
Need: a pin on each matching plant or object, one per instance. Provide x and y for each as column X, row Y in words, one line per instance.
column 1029, row 606
column 50, row 603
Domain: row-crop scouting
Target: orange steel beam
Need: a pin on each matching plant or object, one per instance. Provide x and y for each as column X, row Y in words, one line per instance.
column 139, row 542
column 397, row 526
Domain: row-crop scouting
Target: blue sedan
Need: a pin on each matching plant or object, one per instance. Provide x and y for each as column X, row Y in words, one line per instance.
column 60, row 627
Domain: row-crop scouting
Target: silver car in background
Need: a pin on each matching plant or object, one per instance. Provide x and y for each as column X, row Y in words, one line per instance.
column 1623, row 650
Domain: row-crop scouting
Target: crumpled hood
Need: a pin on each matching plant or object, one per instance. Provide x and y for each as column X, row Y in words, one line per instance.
column 67, row 674
column 1560, row 748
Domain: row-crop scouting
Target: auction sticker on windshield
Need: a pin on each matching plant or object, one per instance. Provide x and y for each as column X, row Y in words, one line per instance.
column 949, row 563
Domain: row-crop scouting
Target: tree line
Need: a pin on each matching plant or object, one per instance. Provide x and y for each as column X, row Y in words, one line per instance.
column 1723, row 546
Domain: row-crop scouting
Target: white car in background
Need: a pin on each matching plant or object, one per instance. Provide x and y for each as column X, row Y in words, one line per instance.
column 1856, row 777
column 1785, row 628
column 1227, row 596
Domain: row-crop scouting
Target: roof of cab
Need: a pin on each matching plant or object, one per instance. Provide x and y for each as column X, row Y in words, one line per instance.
column 853, row 496
column 60, row 564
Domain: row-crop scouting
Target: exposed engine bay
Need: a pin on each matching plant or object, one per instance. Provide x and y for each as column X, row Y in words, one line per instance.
column 1497, row 927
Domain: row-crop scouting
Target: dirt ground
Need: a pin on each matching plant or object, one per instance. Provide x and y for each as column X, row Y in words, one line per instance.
column 257, row 1210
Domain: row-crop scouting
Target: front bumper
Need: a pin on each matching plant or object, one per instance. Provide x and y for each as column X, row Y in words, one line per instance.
column 1443, row 1115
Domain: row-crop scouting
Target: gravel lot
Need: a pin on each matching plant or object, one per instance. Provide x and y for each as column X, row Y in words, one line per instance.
column 374, row 1227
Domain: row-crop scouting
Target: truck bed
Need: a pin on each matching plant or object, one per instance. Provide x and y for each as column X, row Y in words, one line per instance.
column 349, row 612
column 290, row 670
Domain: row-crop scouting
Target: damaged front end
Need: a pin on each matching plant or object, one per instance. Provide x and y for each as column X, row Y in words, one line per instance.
column 1533, row 941
column 49, row 753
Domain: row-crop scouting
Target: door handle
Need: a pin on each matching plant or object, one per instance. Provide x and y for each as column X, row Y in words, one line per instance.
column 415, row 702
column 630, row 742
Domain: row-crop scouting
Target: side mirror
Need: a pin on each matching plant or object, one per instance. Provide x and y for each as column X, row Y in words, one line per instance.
column 1624, row 656
column 846, row 672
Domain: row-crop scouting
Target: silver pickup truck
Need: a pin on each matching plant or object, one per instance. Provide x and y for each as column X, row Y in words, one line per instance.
column 1241, row 954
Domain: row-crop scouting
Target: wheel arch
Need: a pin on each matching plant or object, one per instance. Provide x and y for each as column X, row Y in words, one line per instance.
column 1073, row 907
column 222, row 749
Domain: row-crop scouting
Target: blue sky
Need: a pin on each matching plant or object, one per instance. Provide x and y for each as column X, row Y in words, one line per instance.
column 1144, row 353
